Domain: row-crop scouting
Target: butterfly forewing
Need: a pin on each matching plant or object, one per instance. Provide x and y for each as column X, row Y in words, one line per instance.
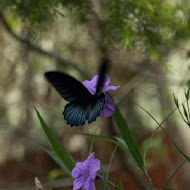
column 101, row 79
column 68, row 87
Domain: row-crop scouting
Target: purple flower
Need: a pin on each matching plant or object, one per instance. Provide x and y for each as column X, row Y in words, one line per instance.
column 109, row 106
column 85, row 173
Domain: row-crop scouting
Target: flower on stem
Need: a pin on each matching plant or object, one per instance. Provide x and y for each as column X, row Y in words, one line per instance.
column 109, row 106
column 85, row 173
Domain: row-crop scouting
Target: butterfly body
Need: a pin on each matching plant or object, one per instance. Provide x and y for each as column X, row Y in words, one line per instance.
column 82, row 104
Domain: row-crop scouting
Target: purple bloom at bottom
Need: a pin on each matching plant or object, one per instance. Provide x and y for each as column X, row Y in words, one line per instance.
column 109, row 106
column 85, row 173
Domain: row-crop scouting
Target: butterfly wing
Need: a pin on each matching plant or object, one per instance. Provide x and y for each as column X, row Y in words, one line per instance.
column 83, row 106
column 96, row 108
column 75, row 114
column 68, row 87
column 102, row 74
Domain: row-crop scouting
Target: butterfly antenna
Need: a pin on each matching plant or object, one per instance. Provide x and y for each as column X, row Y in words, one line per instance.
column 102, row 75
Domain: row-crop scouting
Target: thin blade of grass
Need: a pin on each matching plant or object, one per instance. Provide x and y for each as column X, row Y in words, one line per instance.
column 175, row 172
column 175, row 145
column 117, row 142
column 58, row 161
column 128, row 138
column 92, row 142
column 147, row 146
column 59, row 150
column 120, row 187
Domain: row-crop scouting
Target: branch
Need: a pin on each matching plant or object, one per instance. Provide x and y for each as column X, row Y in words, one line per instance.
column 38, row 50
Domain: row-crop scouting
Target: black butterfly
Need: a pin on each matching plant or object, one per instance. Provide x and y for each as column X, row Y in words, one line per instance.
column 83, row 105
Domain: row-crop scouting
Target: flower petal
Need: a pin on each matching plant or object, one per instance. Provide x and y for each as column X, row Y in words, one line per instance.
column 95, row 165
column 78, row 183
column 90, row 158
column 91, row 85
column 85, row 173
column 107, row 80
column 89, row 185
column 108, row 88
column 81, row 169
column 109, row 107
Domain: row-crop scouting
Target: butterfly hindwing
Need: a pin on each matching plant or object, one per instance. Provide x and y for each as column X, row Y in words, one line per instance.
column 75, row 114
column 96, row 108
column 68, row 87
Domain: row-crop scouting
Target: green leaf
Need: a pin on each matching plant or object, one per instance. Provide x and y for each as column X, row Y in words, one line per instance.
column 120, row 187
column 185, row 112
column 176, row 101
column 58, row 161
column 128, row 138
column 54, row 174
column 122, row 143
column 59, row 150
column 187, row 94
column 154, row 55
column 117, row 142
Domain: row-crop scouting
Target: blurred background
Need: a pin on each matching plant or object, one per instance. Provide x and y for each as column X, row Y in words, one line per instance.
column 147, row 42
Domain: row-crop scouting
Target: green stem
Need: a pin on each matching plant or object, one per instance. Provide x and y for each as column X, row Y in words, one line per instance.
column 110, row 162
column 149, row 179
column 170, row 179
column 92, row 142
column 112, row 184
column 179, row 150
column 181, row 115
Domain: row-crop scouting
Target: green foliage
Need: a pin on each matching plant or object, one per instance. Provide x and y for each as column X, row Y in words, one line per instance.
column 59, row 150
column 185, row 115
column 175, row 172
column 79, row 10
column 129, row 139
column 40, row 11
column 58, row 161
column 120, row 186
column 146, row 24
column 171, row 140
column 106, row 186
column 36, row 10
column 116, row 140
